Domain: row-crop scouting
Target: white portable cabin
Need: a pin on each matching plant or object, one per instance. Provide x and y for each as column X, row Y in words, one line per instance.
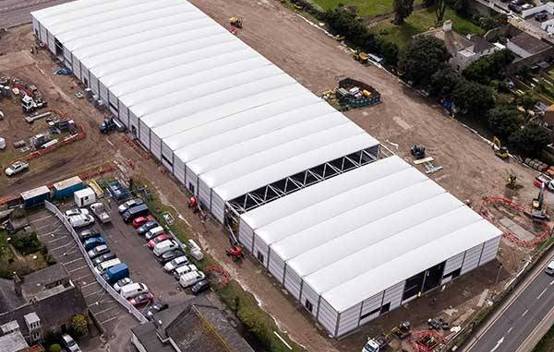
column 84, row 197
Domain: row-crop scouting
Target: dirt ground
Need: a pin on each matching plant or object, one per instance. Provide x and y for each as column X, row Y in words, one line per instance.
column 37, row 69
column 470, row 172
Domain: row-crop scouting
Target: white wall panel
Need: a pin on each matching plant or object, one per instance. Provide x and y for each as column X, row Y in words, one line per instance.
column 371, row 308
column 144, row 135
column 166, row 151
column 276, row 266
column 327, row 317
column 192, row 181
column 43, row 35
column 308, row 294
column 36, row 29
column 94, row 84
column 218, row 207
column 205, row 194
column 179, row 170
column 51, row 43
column 245, row 234
column 472, row 258
column 103, row 93
column 155, row 145
column 393, row 295
column 260, row 250
column 76, row 68
column 292, row 282
column 349, row 320
column 123, row 114
column 453, row 263
column 489, row 250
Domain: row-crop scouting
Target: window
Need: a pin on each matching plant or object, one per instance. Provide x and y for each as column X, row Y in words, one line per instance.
column 113, row 106
column 309, row 306
column 363, row 316
column 260, row 257
column 191, row 187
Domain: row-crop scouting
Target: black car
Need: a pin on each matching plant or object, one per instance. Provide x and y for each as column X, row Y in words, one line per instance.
column 541, row 16
column 169, row 256
column 104, row 257
column 155, row 308
column 86, row 234
column 147, row 227
column 200, row 286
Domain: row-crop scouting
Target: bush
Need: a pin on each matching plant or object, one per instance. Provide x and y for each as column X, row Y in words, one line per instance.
column 489, row 67
column 473, row 99
column 530, row 140
column 424, row 56
column 79, row 325
column 504, row 121
column 55, row 348
column 346, row 23
column 26, row 243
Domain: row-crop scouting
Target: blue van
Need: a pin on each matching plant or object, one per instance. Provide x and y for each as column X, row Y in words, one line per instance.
column 92, row 242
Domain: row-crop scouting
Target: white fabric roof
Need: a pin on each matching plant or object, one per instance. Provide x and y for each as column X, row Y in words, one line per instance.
column 363, row 223
column 239, row 120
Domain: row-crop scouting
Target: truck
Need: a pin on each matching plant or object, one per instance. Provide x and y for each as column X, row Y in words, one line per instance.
column 99, row 209
column 29, row 105
column 115, row 273
column 378, row 344
column 111, row 124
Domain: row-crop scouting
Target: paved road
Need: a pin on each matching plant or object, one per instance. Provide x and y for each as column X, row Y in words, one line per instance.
column 519, row 318
column 16, row 12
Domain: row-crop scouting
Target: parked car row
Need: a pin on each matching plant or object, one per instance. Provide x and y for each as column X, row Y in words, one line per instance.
column 167, row 251
column 82, row 217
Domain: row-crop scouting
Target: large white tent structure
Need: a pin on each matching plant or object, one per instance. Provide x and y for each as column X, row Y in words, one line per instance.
column 347, row 229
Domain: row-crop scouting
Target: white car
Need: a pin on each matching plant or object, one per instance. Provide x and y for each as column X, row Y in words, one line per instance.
column 16, row 167
column 128, row 204
column 76, row 211
column 82, row 220
column 123, row 282
column 70, row 344
column 183, row 269
column 98, row 250
column 179, row 261
column 550, row 268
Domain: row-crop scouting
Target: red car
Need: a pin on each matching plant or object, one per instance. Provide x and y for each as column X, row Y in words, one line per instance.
column 142, row 300
column 161, row 237
column 141, row 220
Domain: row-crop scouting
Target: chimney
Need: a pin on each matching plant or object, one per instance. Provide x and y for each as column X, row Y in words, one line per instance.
column 447, row 26
column 17, row 281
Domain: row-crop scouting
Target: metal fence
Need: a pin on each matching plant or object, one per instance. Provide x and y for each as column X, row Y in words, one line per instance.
column 129, row 307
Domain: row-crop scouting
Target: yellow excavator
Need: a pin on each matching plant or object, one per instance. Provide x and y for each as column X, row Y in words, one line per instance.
column 499, row 150
column 236, row 21
column 361, row 56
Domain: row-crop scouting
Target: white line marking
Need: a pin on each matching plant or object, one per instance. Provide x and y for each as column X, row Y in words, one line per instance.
column 510, row 329
column 542, row 293
column 77, row 269
column 56, row 240
column 87, row 285
column 72, row 261
column 104, row 311
column 551, row 282
column 93, row 293
column 498, row 343
column 108, row 320
column 524, row 313
column 40, row 219
column 62, row 246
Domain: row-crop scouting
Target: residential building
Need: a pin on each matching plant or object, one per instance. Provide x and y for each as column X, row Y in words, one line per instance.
column 195, row 325
column 39, row 303
column 526, row 46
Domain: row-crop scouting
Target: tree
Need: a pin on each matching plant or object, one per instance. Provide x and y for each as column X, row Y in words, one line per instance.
column 489, row 67
column 429, row 3
column 504, row 120
column 473, row 99
column 79, row 325
column 424, row 56
column 389, row 51
column 55, row 348
column 527, row 101
column 440, row 10
column 530, row 140
column 402, row 9
column 346, row 22
column 444, row 82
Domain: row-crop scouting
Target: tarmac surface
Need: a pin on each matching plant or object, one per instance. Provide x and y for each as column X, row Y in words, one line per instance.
column 518, row 320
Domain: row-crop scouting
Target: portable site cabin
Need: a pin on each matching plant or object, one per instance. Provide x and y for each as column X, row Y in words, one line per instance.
column 66, row 188
column 35, row 197
column 269, row 159
column 84, row 197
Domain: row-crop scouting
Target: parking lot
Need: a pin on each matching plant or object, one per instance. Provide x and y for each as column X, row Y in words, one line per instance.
column 109, row 314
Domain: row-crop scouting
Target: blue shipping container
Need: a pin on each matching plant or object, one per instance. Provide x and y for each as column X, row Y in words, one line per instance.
column 66, row 188
column 35, row 197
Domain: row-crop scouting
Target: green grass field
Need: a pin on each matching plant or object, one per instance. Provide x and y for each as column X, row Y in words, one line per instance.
column 367, row 8
column 421, row 21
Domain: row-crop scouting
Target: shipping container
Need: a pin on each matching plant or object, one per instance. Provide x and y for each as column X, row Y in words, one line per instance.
column 35, row 197
column 66, row 188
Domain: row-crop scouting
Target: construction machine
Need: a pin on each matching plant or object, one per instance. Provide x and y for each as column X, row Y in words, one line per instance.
column 236, row 22
column 511, row 181
column 499, row 150
column 29, row 105
column 361, row 56
column 418, row 151
column 538, row 208
column 403, row 330
column 235, row 252
column 378, row 344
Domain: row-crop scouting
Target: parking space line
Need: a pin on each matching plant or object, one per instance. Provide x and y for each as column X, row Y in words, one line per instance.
column 57, row 239
column 87, row 285
column 72, row 261
column 84, row 277
column 108, row 320
column 104, row 311
column 93, row 293
column 78, row 268
column 43, row 218
column 62, row 246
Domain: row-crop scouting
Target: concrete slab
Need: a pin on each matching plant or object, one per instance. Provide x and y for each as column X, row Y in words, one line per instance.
column 516, row 229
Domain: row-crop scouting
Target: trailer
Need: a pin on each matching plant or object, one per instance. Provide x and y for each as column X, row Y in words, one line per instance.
column 66, row 188
column 355, row 94
column 35, row 197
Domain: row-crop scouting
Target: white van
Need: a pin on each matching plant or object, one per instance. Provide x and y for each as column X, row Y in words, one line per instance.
column 82, row 220
column 153, row 233
column 165, row 246
column 100, row 268
column 550, row 268
column 195, row 250
column 133, row 290
column 189, row 279
column 181, row 270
